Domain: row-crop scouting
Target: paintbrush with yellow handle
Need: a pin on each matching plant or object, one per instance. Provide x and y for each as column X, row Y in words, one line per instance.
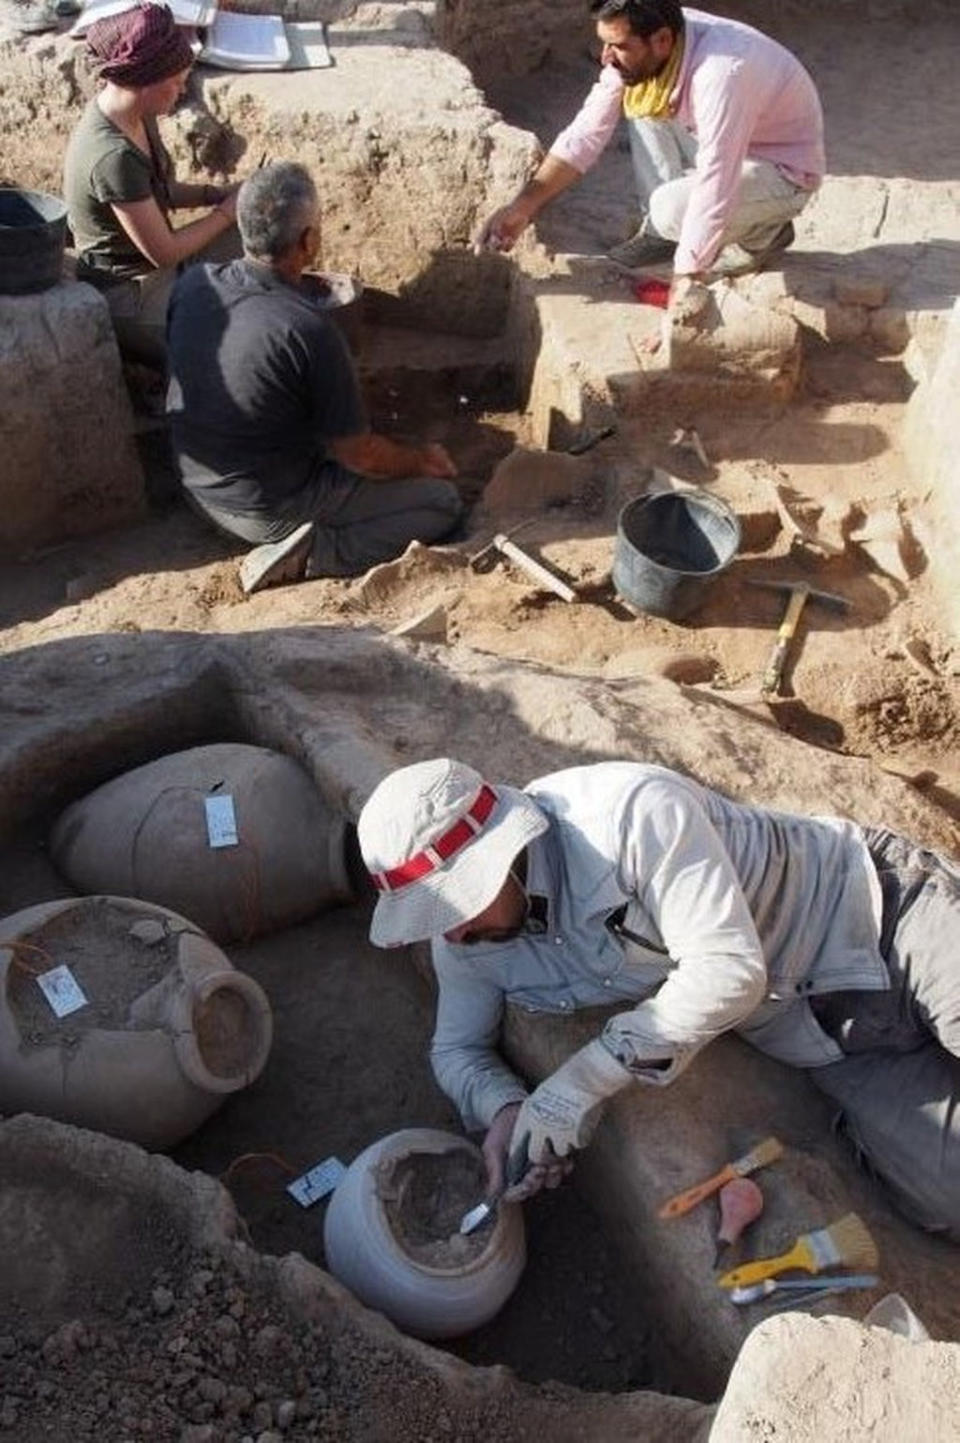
column 764, row 1152
column 845, row 1242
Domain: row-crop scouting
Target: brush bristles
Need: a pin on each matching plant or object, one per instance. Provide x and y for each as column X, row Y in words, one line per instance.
column 765, row 1152
column 854, row 1244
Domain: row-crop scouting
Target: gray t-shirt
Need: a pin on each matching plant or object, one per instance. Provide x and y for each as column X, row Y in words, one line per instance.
column 260, row 381
column 103, row 167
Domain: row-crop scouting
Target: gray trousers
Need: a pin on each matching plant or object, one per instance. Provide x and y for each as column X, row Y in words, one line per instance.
column 664, row 153
column 899, row 1085
column 358, row 522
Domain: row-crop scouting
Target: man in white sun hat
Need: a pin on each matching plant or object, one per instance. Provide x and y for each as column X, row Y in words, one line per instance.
column 829, row 946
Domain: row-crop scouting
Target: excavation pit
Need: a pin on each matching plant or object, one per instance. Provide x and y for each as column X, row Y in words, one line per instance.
column 353, row 1023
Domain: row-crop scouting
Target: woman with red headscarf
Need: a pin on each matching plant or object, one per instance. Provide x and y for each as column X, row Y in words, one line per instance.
column 119, row 182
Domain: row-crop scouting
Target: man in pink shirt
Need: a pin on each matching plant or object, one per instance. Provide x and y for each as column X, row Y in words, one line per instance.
column 726, row 135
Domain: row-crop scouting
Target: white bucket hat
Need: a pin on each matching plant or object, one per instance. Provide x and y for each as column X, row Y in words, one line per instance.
column 438, row 842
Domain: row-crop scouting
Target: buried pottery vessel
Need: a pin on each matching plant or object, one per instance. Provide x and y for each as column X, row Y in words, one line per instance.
column 166, row 1028
column 391, row 1235
column 235, row 837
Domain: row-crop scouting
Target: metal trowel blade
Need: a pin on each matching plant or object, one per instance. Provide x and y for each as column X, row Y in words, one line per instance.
column 472, row 1220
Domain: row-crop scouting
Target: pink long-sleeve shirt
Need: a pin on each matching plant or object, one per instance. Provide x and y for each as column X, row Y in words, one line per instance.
column 742, row 95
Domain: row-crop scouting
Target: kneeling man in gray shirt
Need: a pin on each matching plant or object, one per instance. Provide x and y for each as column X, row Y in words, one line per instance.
column 268, row 424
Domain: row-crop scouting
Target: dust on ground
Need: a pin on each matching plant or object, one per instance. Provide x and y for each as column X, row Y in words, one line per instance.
column 98, row 941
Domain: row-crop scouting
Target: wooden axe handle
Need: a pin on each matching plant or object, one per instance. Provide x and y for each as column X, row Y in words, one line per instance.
column 770, row 684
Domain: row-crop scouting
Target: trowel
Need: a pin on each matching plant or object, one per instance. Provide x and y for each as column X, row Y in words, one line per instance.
column 518, row 1165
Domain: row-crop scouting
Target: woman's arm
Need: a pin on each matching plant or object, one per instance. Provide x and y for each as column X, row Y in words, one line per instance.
column 184, row 195
column 147, row 226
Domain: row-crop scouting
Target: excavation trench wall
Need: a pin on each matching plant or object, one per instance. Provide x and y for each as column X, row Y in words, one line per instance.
column 932, row 442
column 350, row 707
column 406, row 154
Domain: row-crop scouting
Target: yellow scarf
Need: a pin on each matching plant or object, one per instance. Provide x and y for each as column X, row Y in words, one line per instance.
column 651, row 98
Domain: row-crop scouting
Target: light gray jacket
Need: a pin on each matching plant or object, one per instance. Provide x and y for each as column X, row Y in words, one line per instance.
column 706, row 913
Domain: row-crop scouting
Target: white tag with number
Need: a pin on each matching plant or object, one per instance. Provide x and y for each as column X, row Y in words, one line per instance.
column 62, row 991
column 316, row 1183
column 221, row 821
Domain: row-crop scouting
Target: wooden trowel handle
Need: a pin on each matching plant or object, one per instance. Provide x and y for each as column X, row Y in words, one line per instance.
column 684, row 1201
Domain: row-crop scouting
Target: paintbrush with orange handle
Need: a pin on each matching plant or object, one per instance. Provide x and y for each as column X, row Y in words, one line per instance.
column 764, row 1152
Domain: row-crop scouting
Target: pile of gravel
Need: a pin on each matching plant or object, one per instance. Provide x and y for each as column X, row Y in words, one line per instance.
column 208, row 1357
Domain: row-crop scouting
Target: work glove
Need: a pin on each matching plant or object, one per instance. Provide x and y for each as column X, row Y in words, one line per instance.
column 564, row 1110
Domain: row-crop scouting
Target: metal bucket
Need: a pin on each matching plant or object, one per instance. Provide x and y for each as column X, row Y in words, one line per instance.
column 33, row 234
column 669, row 546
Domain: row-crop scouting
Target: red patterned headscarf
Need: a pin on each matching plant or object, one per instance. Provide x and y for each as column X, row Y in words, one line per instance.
column 139, row 47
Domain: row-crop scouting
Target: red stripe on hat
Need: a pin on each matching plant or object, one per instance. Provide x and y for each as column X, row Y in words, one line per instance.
column 440, row 851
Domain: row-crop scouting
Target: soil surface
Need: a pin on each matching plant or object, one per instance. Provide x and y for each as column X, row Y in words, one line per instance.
column 112, row 965
column 425, row 1197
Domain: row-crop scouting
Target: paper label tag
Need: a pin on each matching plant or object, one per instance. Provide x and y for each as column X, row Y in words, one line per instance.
column 62, row 990
column 221, row 821
column 316, row 1183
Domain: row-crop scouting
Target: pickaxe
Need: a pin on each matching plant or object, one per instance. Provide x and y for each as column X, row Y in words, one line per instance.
column 800, row 592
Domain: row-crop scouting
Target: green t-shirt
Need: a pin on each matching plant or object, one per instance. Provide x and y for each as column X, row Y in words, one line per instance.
column 103, row 166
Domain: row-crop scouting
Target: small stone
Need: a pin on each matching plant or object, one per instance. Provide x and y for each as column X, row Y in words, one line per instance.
column 162, row 1300
column 227, row 1327
column 286, row 1413
column 428, row 625
column 240, row 1400
column 79, row 588
column 269, row 1436
column 149, row 931
column 8, row 1414
column 267, row 1338
column 262, row 1415
column 8, row 1346
column 212, row 1389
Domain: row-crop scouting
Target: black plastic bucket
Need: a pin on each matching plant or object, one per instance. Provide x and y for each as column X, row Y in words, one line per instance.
column 33, row 235
column 669, row 546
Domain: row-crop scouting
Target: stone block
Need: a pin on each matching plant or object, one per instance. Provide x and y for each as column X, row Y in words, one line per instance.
column 70, row 464
column 812, row 1379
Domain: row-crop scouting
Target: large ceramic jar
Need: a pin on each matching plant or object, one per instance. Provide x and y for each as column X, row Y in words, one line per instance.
column 392, row 1236
column 147, row 834
column 168, row 1030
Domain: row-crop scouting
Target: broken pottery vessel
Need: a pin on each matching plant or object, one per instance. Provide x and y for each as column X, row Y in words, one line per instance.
column 391, row 1235
column 168, row 1030
column 145, row 834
